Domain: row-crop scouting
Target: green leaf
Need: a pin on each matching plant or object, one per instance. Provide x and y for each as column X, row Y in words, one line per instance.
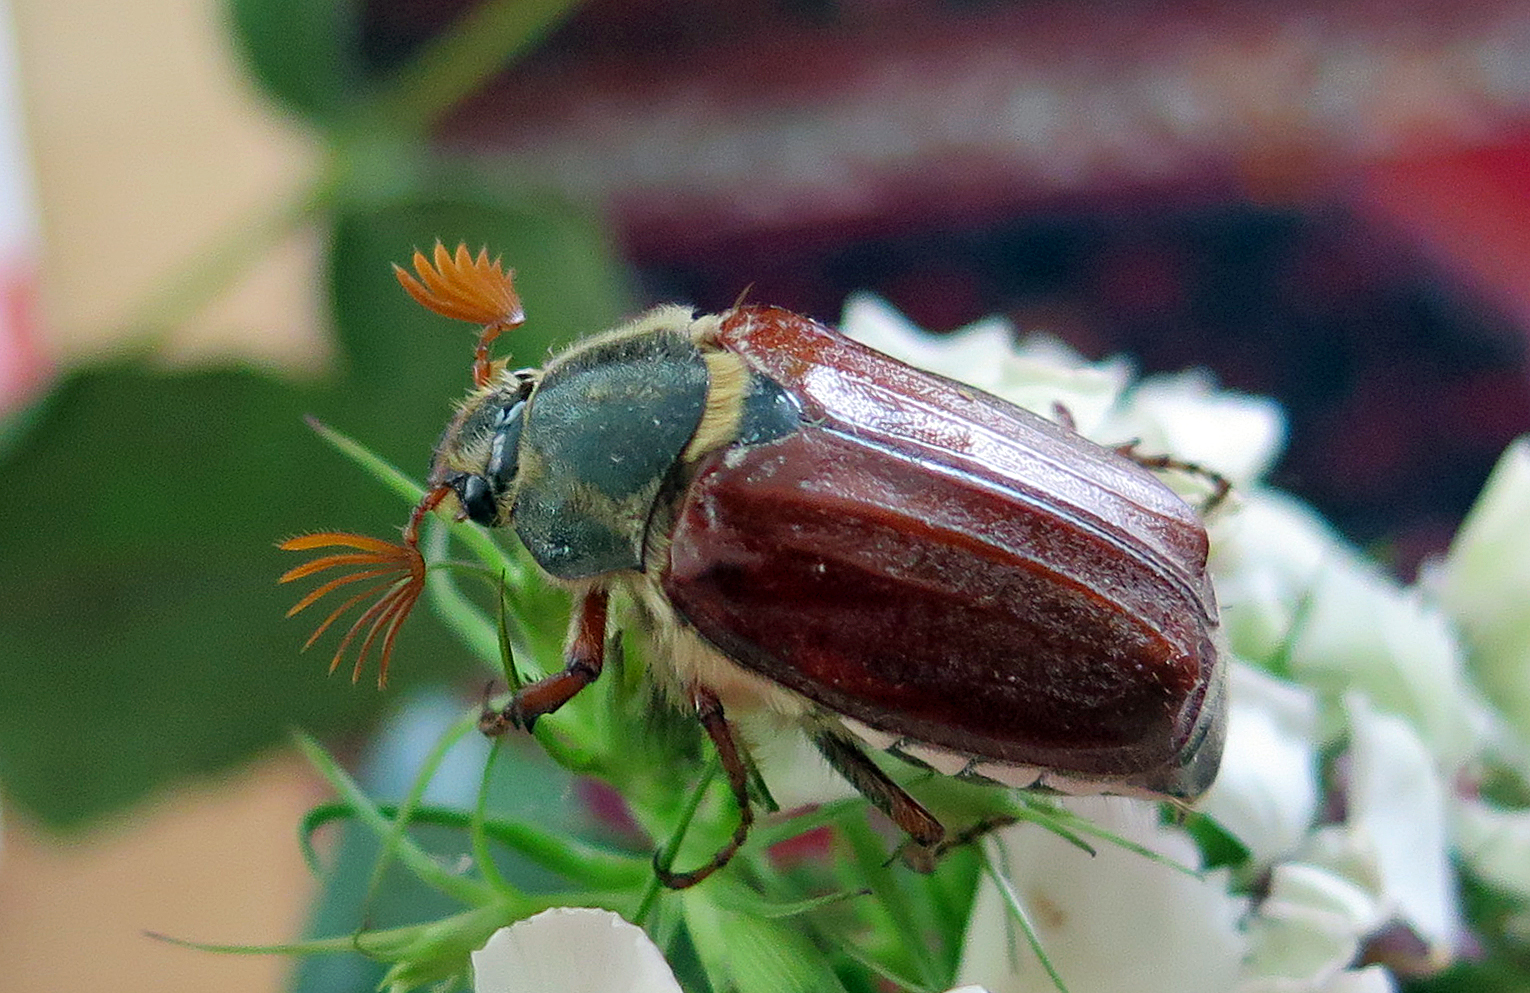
column 304, row 53
column 144, row 637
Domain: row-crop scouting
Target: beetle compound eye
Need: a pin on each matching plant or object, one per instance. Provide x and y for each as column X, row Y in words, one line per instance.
column 477, row 499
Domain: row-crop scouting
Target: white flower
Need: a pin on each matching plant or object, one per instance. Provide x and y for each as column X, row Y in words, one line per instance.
column 1038, row 374
column 1185, row 416
column 1307, row 929
column 1267, row 791
column 1360, row 631
column 1264, row 559
column 1395, row 841
column 578, row 950
column 1115, row 921
column 571, row 950
column 1484, row 583
column 1496, row 843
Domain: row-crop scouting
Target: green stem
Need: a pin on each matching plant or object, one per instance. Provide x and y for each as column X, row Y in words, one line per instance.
column 456, row 62
column 415, row 859
column 1017, row 911
column 671, row 848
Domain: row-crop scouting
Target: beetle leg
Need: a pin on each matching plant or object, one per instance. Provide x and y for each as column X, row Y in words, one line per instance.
column 584, row 659
column 982, row 828
column 925, row 833
column 1220, row 484
column 709, row 711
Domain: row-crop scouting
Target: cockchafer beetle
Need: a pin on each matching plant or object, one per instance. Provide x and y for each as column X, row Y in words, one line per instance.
column 806, row 525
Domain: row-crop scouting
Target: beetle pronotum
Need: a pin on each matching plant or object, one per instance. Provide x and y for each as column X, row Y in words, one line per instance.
column 806, row 525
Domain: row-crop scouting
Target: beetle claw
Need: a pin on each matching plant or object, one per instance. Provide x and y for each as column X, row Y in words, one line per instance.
column 920, row 858
column 493, row 723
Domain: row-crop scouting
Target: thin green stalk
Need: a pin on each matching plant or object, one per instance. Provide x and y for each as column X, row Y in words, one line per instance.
column 415, row 859
column 1017, row 911
column 873, row 868
column 458, row 61
column 476, row 834
column 373, row 465
column 400, row 823
column 671, row 848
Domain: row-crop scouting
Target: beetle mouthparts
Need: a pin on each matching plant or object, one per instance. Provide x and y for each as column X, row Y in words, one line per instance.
column 398, row 568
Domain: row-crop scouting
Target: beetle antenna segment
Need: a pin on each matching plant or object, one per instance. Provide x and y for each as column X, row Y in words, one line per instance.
column 398, row 568
column 467, row 288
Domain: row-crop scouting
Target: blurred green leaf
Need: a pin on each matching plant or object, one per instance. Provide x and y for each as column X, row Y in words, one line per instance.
column 144, row 637
column 304, row 53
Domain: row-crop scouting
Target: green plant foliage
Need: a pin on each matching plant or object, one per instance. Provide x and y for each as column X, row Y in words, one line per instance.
column 146, row 639
column 304, row 53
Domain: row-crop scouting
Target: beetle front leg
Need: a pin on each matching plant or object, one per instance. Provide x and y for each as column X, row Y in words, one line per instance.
column 925, row 833
column 583, row 660
column 709, row 711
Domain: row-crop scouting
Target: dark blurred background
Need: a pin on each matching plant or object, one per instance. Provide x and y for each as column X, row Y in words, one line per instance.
column 1321, row 202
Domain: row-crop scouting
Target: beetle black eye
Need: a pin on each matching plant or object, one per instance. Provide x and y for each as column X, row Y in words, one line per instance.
column 477, row 500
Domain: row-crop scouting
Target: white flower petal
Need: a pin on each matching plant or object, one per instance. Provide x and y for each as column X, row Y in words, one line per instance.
column 571, row 950
column 1484, row 583
column 1397, row 808
column 1361, row 631
column 1184, row 415
column 1112, row 922
column 1266, row 794
column 1496, row 844
column 1037, row 375
column 1310, row 925
column 1043, row 374
column 1371, row 979
column 1264, row 559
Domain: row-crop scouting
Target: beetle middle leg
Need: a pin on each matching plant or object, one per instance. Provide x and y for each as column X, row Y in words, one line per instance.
column 925, row 833
column 585, row 657
column 709, row 711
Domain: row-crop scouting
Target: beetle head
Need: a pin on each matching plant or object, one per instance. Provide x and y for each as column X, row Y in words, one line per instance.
column 476, row 457
column 475, row 461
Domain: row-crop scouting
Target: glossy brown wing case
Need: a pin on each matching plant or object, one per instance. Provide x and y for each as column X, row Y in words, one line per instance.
column 944, row 566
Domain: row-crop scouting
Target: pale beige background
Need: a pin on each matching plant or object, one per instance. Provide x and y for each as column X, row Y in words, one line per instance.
column 149, row 148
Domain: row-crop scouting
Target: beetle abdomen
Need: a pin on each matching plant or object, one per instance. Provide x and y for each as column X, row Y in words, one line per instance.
column 928, row 603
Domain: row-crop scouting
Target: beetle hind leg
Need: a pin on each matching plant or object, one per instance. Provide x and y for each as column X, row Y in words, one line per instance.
column 926, row 835
column 1220, row 484
column 709, row 711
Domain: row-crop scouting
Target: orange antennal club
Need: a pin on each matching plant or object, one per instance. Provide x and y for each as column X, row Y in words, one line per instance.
column 399, row 573
column 467, row 288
